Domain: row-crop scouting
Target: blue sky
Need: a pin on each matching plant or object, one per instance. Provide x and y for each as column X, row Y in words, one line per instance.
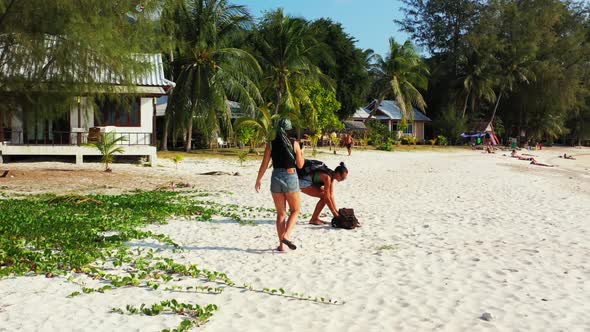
column 369, row 21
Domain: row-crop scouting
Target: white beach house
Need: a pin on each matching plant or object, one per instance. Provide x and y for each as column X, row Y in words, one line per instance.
column 132, row 115
column 390, row 114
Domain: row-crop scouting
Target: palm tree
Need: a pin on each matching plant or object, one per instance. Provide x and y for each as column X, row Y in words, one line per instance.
column 514, row 71
column 211, row 72
column 401, row 74
column 108, row 145
column 263, row 124
column 284, row 45
column 478, row 81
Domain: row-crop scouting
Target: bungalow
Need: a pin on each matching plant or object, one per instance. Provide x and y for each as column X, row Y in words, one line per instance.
column 390, row 114
column 132, row 116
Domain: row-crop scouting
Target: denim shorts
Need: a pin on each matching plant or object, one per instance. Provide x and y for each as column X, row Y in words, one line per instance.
column 305, row 182
column 284, row 182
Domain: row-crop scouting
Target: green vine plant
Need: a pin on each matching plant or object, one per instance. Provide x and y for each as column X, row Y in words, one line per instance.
column 195, row 314
column 83, row 237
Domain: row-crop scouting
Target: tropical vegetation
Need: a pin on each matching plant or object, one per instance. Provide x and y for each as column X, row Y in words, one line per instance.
column 467, row 61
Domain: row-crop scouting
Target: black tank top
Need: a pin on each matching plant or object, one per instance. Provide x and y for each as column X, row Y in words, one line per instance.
column 281, row 158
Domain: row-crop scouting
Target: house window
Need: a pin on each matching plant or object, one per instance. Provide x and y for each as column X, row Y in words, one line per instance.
column 120, row 113
column 408, row 130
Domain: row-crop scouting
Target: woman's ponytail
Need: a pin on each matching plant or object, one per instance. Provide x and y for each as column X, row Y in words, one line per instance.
column 341, row 169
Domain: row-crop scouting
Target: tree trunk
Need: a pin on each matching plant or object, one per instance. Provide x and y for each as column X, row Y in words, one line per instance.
column 164, row 143
column 189, row 136
column 1, row 127
column 496, row 107
column 519, row 125
column 6, row 12
column 279, row 96
column 465, row 105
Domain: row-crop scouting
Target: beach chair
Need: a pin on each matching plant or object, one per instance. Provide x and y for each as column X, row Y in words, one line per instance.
column 221, row 143
column 93, row 134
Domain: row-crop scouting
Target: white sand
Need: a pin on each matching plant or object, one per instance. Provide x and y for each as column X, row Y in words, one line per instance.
column 467, row 233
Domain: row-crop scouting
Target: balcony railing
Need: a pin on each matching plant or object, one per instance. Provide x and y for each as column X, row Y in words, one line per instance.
column 20, row 137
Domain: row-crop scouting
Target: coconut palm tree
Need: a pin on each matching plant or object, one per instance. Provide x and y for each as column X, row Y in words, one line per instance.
column 262, row 123
column 108, row 145
column 210, row 70
column 478, row 80
column 401, row 74
column 284, row 45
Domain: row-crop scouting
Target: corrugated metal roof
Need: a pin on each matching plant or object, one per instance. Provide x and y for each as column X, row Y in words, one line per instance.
column 389, row 110
column 155, row 76
column 360, row 113
column 354, row 125
column 28, row 69
column 392, row 110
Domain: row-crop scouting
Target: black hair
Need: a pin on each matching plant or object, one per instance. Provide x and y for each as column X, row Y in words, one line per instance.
column 341, row 169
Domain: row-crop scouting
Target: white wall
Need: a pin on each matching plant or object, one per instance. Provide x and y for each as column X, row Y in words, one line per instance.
column 418, row 130
column 86, row 115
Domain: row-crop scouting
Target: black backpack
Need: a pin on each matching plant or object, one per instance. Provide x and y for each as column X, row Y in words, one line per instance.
column 346, row 219
column 312, row 165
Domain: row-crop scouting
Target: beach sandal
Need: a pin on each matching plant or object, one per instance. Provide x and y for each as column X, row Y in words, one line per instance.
column 279, row 249
column 289, row 244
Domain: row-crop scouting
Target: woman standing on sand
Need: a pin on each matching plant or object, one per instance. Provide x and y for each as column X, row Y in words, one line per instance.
column 284, row 184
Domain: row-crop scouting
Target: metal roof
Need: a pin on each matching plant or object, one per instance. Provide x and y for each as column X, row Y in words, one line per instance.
column 153, row 77
column 361, row 113
column 355, row 125
column 23, row 69
column 389, row 110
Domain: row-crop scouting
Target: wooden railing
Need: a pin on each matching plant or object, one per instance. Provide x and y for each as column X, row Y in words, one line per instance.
column 20, row 137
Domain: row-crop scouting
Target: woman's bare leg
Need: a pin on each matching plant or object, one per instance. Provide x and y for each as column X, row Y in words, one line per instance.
column 281, row 205
column 319, row 193
column 294, row 207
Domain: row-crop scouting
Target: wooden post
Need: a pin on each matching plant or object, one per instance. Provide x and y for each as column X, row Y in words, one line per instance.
column 79, row 135
column 154, row 101
column 2, row 127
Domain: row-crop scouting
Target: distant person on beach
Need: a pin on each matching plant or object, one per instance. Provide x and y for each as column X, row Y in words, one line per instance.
column 320, row 184
column 565, row 156
column 534, row 162
column 286, row 156
column 348, row 142
column 515, row 154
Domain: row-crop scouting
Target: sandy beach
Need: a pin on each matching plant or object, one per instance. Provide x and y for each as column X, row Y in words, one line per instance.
column 445, row 238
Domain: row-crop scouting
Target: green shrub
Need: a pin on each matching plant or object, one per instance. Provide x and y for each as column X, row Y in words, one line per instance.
column 408, row 140
column 378, row 132
column 451, row 124
column 177, row 160
column 442, row 140
column 387, row 146
column 242, row 156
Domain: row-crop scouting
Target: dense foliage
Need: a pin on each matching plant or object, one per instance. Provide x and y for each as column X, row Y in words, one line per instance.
column 520, row 64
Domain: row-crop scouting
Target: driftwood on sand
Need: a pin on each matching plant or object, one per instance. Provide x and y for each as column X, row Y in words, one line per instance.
column 221, row 173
